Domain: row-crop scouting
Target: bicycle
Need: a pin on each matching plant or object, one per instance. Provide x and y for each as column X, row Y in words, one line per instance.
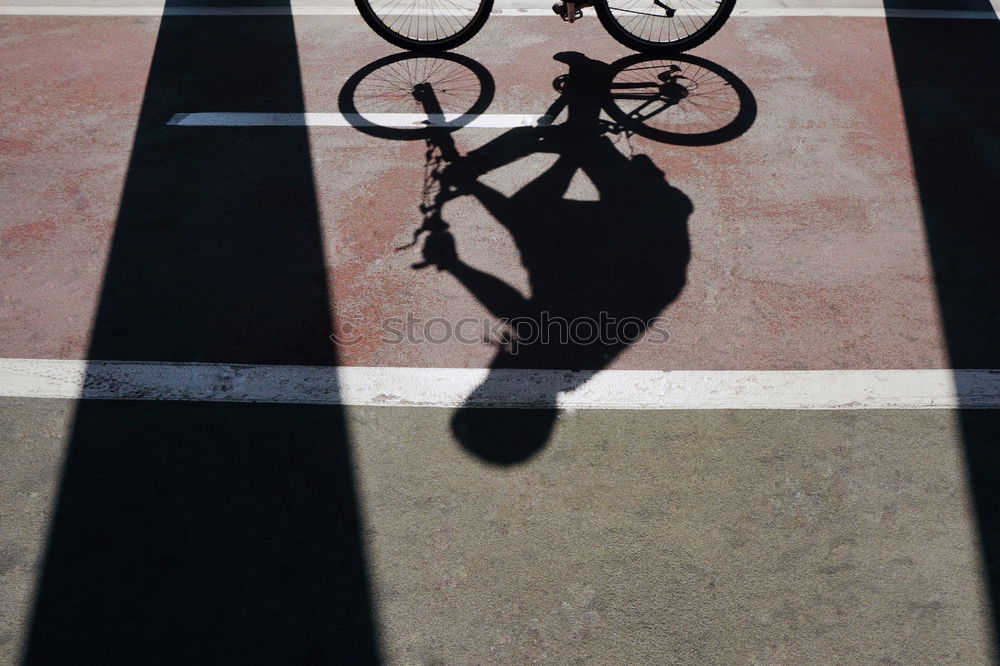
column 649, row 26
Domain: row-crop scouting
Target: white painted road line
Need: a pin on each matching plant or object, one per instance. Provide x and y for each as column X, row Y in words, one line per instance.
column 452, row 387
column 395, row 120
column 341, row 10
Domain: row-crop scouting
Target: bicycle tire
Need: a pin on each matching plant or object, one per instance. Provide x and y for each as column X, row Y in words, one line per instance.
column 644, row 26
column 425, row 25
column 386, row 86
column 716, row 107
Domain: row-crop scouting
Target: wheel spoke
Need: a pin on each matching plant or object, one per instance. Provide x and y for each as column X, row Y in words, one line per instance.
column 426, row 20
column 647, row 22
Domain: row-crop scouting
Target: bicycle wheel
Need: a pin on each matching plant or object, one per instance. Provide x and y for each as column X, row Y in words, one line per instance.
column 425, row 25
column 663, row 26
column 414, row 96
column 683, row 100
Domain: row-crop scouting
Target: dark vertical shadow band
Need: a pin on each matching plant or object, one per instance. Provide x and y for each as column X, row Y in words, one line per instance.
column 948, row 72
column 210, row 533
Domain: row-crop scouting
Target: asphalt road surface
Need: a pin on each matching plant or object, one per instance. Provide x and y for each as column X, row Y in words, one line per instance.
column 719, row 387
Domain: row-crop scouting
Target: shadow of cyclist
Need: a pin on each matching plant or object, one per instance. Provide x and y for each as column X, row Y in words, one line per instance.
column 600, row 271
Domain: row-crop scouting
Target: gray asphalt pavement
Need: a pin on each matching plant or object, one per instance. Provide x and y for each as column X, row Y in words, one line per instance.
column 725, row 537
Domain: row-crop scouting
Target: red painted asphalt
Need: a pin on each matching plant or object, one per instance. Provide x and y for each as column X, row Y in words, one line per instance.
column 807, row 248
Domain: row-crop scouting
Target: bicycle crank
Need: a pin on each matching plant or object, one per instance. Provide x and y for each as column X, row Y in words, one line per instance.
column 567, row 11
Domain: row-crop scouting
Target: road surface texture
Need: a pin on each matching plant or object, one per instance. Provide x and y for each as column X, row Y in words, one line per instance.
column 250, row 415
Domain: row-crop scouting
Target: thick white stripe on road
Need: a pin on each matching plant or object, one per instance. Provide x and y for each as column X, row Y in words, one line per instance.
column 396, row 120
column 450, row 387
column 340, row 10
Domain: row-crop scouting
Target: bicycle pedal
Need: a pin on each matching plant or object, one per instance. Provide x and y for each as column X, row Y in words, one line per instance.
column 561, row 11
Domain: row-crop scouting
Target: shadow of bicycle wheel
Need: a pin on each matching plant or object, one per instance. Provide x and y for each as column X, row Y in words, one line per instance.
column 682, row 100
column 463, row 87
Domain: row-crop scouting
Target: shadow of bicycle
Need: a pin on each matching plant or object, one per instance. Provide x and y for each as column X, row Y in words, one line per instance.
column 600, row 271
